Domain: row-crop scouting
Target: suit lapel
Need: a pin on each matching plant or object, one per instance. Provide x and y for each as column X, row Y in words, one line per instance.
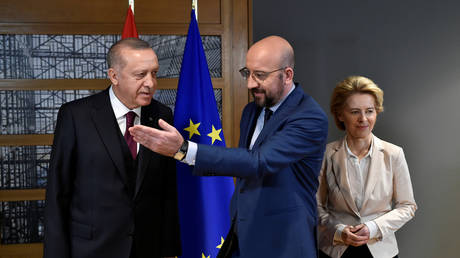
column 375, row 168
column 248, row 124
column 282, row 112
column 106, row 125
column 149, row 116
column 339, row 168
column 248, row 129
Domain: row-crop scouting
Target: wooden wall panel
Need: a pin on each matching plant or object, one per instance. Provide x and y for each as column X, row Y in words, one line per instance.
column 227, row 18
column 176, row 11
column 106, row 17
column 209, row 12
column 68, row 11
column 21, row 251
column 84, row 84
column 22, row 195
column 239, row 45
column 102, row 11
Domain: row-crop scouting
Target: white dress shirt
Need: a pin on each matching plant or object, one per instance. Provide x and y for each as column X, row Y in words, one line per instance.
column 357, row 173
column 120, row 111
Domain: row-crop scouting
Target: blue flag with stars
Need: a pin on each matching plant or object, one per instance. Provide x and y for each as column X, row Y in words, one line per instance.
column 203, row 201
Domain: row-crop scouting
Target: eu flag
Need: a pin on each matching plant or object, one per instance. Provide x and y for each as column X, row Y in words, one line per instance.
column 203, row 201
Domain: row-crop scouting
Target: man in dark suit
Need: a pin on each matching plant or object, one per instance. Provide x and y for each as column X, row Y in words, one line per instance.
column 282, row 140
column 107, row 196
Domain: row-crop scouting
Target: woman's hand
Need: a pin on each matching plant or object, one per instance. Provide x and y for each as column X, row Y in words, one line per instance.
column 355, row 235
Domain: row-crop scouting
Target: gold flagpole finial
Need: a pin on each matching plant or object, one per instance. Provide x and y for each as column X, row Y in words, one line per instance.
column 195, row 7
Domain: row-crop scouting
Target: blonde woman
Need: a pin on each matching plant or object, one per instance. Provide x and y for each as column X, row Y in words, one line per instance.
column 365, row 192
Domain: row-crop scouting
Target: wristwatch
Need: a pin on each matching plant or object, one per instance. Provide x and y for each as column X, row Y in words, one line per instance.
column 180, row 154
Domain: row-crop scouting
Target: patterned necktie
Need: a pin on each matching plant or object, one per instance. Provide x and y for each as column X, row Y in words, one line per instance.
column 268, row 114
column 128, row 137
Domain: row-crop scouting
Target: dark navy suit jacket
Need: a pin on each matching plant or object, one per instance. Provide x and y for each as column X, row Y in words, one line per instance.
column 274, row 204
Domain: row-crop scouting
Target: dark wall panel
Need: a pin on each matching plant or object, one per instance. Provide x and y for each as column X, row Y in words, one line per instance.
column 411, row 49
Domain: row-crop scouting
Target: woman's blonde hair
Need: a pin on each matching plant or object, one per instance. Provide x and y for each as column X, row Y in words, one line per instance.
column 350, row 86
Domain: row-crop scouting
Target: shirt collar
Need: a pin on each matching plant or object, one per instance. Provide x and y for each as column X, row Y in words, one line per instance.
column 119, row 108
column 351, row 154
column 275, row 107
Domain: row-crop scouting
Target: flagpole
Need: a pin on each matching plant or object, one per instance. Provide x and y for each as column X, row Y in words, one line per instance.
column 195, row 7
column 129, row 27
column 131, row 3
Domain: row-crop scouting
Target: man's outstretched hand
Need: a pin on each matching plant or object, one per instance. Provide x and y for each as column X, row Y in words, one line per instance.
column 165, row 142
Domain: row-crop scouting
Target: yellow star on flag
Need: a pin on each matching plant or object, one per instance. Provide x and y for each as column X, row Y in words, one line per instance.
column 192, row 129
column 215, row 134
column 204, row 256
column 221, row 243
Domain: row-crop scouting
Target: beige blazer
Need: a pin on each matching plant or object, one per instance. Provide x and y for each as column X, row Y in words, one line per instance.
column 388, row 201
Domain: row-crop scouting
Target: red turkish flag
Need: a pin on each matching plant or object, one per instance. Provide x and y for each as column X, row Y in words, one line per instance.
column 129, row 30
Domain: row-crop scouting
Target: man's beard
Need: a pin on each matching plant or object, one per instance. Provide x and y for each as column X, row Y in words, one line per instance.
column 266, row 100
column 259, row 101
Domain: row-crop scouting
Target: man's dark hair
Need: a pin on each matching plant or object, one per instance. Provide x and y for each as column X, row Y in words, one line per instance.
column 113, row 56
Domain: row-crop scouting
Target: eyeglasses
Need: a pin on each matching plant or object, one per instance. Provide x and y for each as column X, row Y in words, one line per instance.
column 258, row 76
